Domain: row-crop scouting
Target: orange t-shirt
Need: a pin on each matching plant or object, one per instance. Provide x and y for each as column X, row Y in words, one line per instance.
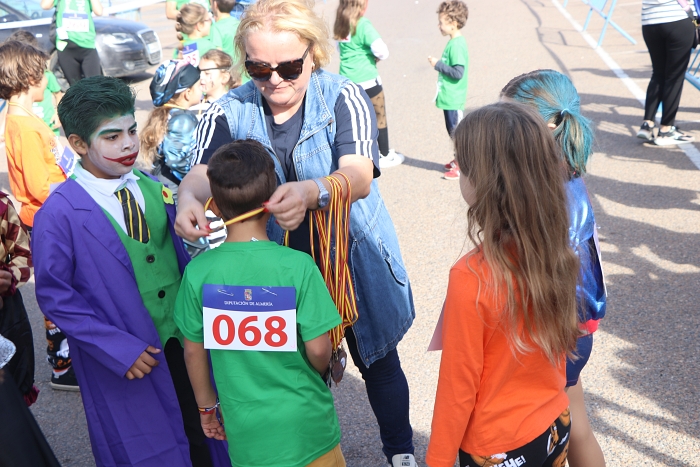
column 488, row 402
column 31, row 149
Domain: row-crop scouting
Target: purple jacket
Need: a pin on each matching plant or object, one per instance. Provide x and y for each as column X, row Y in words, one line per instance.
column 85, row 283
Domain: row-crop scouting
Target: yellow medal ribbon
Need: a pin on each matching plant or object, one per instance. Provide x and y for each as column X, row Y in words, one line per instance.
column 241, row 218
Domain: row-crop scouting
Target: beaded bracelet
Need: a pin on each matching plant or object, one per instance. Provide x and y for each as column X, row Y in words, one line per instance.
column 209, row 410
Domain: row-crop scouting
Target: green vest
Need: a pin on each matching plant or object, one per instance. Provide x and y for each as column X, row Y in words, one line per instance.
column 155, row 263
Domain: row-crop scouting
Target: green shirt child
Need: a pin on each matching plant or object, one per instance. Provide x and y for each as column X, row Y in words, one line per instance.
column 452, row 93
column 357, row 62
column 74, row 23
column 46, row 109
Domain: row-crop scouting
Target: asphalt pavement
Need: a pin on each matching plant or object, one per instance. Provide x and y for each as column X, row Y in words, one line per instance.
column 640, row 381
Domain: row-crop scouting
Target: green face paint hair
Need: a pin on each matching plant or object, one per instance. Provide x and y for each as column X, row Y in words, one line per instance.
column 555, row 98
column 91, row 101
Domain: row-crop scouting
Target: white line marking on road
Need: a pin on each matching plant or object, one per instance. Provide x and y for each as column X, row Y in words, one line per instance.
column 688, row 148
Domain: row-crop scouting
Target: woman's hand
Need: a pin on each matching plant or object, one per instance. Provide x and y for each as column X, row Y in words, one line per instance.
column 5, row 280
column 290, row 201
column 190, row 214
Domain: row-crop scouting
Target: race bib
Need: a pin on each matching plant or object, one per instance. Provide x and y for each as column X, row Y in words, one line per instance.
column 190, row 54
column 67, row 161
column 249, row 318
column 76, row 22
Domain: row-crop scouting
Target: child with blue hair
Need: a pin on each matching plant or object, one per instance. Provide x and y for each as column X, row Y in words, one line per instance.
column 554, row 96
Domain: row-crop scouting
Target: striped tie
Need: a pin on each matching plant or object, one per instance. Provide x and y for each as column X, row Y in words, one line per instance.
column 134, row 219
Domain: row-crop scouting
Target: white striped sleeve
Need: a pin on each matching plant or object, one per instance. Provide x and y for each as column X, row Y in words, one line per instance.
column 356, row 122
column 212, row 131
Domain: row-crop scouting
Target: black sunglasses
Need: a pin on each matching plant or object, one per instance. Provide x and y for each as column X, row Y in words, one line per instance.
column 261, row 71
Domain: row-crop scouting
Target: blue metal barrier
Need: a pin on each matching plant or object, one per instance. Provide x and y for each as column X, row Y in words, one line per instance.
column 599, row 7
column 692, row 75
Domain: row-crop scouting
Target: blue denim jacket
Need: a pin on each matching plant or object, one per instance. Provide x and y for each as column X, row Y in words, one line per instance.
column 591, row 290
column 384, row 297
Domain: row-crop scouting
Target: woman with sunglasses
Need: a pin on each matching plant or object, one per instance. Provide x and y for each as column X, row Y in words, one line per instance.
column 315, row 124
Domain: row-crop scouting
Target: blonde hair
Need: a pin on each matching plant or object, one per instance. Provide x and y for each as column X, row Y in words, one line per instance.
column 189, row 16
column 153, row 133
column 295, row 16
column 346, row 18
column 223, row 60
column 519, row 222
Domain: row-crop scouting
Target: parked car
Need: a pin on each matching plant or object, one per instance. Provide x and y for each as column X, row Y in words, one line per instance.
column 125, row 47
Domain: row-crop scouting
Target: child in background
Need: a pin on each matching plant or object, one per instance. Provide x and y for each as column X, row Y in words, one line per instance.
column 554, row 96
column 510, row 313
column 268, row 398
column 168, row 136
column 45, row 109
column 360, row 49
column 226, row 25
column 108, row 267
column 452, row 71
column 193, row 28
column 217, row 77
column 33, row 156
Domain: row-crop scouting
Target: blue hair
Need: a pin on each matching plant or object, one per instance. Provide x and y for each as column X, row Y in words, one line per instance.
column 556, row 99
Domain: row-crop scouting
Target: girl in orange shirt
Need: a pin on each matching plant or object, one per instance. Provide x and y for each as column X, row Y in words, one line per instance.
column 510, row 314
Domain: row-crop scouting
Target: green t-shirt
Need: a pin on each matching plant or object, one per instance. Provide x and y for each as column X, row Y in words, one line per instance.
column 203, row 44
column 46, row 109
column 74, row 22
column 180, row 3
column 357, row 62
column 452, row 93
column 226, row 29
column 276, row 407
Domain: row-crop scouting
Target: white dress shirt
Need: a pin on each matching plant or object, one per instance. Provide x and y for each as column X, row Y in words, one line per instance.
column 103, row 190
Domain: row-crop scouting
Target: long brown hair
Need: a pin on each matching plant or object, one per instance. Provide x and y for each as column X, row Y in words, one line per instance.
column 153, row 134
column 346, row 17
column 519, row 221
column 224, row 61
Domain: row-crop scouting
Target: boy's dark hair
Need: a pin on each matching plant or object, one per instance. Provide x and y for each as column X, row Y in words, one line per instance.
column 90, row 101
column 225, row 6
column 242, row 177
column 455, row 10
column 24, row 36
column 21, row 67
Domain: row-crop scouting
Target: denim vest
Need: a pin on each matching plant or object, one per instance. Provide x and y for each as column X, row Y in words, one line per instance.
column 384, row 297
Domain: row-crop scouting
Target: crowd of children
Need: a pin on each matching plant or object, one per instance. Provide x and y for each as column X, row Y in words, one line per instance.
column 520, row 309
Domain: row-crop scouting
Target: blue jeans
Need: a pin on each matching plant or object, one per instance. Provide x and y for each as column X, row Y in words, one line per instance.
column 452, row 118
column 387, row 391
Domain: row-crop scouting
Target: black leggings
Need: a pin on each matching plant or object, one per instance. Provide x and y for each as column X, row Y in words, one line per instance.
column 78, row 62
column 669, row 48
column 547, row 450
column 199, row 450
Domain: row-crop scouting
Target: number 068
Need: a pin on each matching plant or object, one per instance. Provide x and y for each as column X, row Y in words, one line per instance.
column 249, row 334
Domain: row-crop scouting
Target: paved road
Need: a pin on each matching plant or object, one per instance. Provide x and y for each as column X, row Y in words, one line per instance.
column 640, row 382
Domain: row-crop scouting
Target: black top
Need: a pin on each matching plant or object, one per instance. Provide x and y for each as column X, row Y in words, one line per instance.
column 284, row 137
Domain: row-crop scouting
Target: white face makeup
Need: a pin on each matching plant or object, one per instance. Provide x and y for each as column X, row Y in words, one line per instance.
column 274, row 48
column 113, row 148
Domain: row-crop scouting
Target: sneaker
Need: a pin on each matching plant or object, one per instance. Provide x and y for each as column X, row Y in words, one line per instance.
column 390, row 160
column 403, row 460
column 671, row 137
column 450, row 165
column 646, row 132
column 65, row 382
column 452, row 174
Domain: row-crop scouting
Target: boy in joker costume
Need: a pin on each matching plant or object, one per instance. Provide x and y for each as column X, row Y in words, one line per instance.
column 108, row 268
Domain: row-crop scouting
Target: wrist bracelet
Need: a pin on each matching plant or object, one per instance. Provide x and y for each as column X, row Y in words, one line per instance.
column 209, row 410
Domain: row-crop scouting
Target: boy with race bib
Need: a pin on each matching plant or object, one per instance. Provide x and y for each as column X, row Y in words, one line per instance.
column 264, row 312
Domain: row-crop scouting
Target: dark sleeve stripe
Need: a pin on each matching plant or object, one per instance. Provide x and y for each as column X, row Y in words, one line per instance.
column 360, row 119
column 205, row 131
